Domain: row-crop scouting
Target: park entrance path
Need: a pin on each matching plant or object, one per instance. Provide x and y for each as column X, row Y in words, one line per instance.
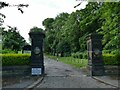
column 60, row 75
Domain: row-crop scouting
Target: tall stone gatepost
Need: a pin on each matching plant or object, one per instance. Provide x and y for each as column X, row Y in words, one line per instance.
column 37, row 59
column 94, row 47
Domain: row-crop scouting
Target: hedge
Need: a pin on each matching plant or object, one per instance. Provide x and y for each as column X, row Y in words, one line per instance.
column 111, row 51
column 15, row 59
column 24, row 59
column 110, row 59
column 106, row 51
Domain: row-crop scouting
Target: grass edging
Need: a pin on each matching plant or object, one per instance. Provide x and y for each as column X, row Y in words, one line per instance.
column 78, row 63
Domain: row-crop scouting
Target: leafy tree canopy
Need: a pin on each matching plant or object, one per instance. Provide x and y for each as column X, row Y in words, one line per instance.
column 11, row 39
column 100, row 17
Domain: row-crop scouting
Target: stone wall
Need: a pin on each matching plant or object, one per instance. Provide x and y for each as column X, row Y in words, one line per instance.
column 11, row 71
column 109, row 70
column 112, row 70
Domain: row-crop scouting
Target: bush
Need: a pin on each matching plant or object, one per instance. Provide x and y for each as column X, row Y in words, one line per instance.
column 6, row 51
column 115, row 52
column 36, row 30
column 110, row 59
column 79, row 55
column 15, row 59
column 67, row 54
column 117, row 56
column 73, row 55
column 85, row 56
column 106, row 51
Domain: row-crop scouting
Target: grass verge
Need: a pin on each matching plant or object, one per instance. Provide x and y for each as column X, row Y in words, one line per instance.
column 78, row 63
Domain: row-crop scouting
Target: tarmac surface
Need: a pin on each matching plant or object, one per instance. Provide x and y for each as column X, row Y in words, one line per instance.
column 60, row 75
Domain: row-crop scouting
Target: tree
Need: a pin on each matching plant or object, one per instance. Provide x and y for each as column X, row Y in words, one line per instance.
column 50, row 37
column 58, row 24
column 47, row 23
column 63, row 47
column 12, row 39
column 110, row 15
column 53, row 29
column 71, row 31
column 102, row 18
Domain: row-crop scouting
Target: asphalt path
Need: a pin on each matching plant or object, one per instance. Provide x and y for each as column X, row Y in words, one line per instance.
column 60, row 75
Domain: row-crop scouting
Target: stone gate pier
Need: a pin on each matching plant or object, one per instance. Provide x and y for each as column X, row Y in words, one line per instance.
column 94, row 47
column 37, row 59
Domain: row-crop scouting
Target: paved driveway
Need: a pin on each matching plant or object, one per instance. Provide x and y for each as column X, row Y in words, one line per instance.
column 60, row 75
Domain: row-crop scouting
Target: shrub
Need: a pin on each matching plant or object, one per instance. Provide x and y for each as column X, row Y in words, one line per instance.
column 106, row 51
column 115, row 52
column 67, row 54
column 36, row 30
column 73, row 55
column 85, row 56
column 6, row 51
column 110, row 59
column 117, row 56
column 76, row 55
column 79, row 55
column 15, row 59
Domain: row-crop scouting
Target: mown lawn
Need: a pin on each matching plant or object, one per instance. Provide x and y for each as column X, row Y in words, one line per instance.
column 78, row 63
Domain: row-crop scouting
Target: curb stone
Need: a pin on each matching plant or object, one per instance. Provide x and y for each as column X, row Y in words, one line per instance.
column 105, row 82
column 35, row 83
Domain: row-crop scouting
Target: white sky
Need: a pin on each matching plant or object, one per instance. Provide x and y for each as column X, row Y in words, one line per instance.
column 37, row 11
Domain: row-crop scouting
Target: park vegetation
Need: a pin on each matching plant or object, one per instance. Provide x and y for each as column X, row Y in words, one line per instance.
column 65, row 35
column 15, row 59
column 12, row 41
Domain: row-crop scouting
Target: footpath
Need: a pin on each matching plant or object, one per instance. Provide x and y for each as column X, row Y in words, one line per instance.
column 110, row 80
column 20, row 82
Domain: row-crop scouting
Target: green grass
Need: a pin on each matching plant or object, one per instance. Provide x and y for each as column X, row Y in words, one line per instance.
column 78, row 63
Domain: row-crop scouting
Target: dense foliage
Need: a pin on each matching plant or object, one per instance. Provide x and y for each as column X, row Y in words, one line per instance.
column 36, row 29
column 70, row 30
column 7, row 51
column 11, row 39
column 80, row 55
column 15, row 59
column 110, row 59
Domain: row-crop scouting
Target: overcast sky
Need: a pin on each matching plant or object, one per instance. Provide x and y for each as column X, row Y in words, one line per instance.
column 37, row 11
